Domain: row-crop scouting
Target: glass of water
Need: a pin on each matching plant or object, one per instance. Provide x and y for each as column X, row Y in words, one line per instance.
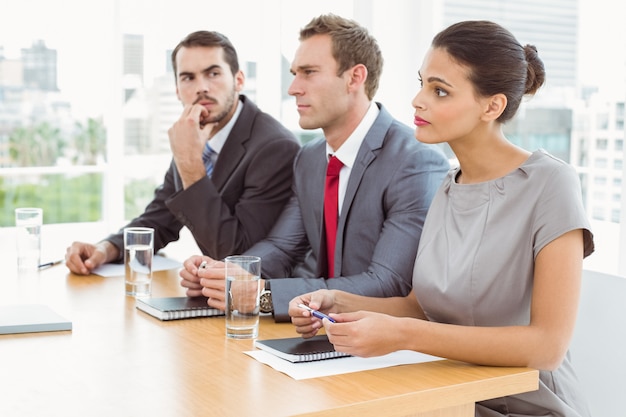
column 28, row 221
column 138, row 253
column 243, row 287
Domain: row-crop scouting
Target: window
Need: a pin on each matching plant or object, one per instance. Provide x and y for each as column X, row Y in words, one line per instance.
column 97, row 85
column 600, row 163
column 602, row 121
column 599, row 180
column 598, row 213
column 615, row 215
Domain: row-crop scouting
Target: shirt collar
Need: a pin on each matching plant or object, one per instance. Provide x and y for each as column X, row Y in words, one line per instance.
column 219, row 139
column 348, row 151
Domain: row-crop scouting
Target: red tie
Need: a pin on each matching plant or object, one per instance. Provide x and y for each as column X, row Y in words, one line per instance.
column 331, row 210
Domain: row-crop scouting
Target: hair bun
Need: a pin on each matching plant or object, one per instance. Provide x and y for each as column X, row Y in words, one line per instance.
column 536, row 73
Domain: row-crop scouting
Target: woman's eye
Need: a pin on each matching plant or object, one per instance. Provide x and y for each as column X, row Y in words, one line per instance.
column 440, row 92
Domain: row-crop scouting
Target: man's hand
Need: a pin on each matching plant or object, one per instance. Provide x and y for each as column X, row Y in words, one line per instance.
column 81, row 258
column 202, row 275
column 188, row 135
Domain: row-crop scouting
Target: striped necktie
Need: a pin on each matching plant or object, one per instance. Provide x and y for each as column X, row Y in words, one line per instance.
column 207, row 158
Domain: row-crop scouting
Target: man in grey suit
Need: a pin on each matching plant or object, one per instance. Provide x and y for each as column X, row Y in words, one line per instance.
column 231, row 173
column 385, row 185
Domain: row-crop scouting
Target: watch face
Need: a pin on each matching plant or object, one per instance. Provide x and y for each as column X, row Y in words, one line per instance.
column 265, row 302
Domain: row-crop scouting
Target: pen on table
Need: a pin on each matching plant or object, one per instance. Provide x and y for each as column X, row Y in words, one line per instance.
column 49, row 264
column 317, row 314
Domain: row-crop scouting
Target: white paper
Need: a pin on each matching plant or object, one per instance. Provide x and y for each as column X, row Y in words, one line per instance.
column 327, row 367
column 159, row 263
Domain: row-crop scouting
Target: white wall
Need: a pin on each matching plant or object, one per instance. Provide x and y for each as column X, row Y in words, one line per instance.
column 599, row 344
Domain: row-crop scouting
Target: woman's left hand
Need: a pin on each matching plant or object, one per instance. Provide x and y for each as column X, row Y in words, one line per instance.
column 365, row 334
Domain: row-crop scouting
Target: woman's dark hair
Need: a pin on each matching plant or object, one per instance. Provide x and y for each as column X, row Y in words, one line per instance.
column 209, row 39
column 497, row 62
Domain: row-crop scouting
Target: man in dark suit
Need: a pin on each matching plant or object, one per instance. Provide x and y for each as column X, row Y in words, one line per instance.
column 231, row 172
column 386, row 182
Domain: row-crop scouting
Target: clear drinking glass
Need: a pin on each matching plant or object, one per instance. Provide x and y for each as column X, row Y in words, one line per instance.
column 28, row 221
column 138, row 254
column 243, row 288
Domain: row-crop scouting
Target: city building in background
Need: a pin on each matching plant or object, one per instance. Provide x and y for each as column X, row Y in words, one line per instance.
column 39, row 67
column 29, row 95
column 598, row 144
column 546, row 120
column 552, row 26
column 581, row 124
column 574, row 123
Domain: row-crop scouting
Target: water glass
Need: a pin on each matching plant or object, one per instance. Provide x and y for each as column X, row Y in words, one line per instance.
column 28, row 221
column 243, row 288
column 138, row 253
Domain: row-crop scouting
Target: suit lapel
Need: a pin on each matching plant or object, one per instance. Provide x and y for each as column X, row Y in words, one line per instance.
column 374, row 140
column 318, row 170
column 235, row 146
column 372, row 143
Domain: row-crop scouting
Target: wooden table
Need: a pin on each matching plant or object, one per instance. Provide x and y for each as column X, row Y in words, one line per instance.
column 118, row 361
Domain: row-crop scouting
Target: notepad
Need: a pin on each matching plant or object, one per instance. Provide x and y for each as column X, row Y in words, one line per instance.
column 176, row 308
column 31, row 318
column 297, row 349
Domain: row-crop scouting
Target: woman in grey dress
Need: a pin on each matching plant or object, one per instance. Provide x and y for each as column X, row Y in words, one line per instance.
column 498, row 269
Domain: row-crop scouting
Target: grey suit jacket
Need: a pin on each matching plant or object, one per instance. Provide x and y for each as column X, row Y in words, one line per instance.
column 239, row 204
column 390, row 188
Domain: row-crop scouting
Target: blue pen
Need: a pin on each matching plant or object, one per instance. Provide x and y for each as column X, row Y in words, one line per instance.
column 316, row 313
column 48, row 264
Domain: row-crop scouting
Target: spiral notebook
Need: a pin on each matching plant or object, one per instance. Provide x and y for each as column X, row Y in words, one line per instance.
column 297, row 349
column 176, row 308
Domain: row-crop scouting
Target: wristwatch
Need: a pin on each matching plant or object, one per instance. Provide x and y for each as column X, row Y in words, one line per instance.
column 265, row 299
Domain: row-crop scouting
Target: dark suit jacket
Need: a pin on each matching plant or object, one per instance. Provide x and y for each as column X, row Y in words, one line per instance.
column 239, row 204
column 390, row 188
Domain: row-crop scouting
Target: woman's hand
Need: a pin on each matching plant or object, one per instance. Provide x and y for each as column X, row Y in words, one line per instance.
column 365, row 334
column 306, row 324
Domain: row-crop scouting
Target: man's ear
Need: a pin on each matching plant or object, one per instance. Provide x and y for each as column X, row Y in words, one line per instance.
column 494, row 106
column 240, row 80
column 358, row 75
